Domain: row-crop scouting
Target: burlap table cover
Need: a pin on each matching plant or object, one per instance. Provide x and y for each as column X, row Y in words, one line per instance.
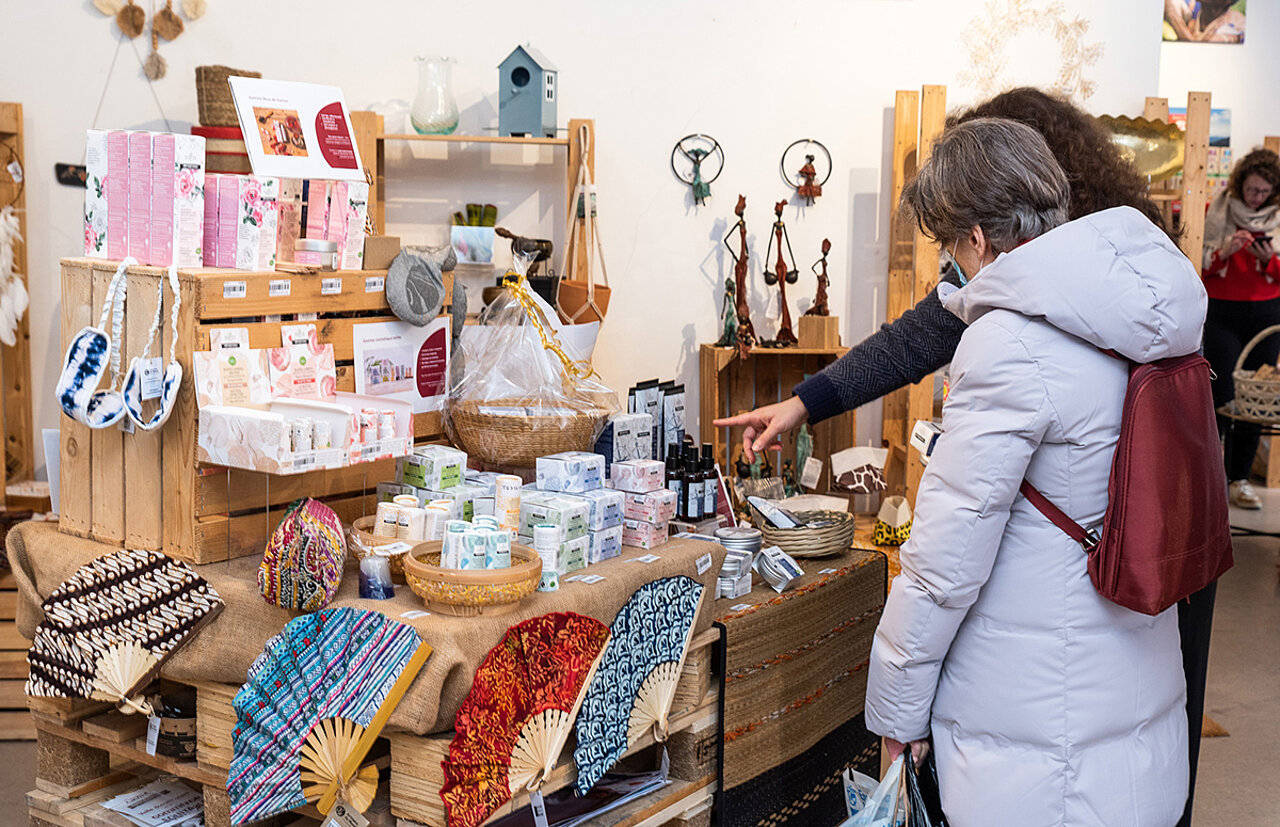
column 42, row 558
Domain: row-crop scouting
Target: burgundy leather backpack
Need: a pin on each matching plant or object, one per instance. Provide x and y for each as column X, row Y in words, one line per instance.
column 1165, row 534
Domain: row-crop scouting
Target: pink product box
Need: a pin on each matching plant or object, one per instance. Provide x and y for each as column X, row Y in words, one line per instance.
column 653, row 506
column 228, row 206
column 117, row 193
column 210, row 235
column 177, row 200
column 316, row 196
column 247, row 212
column 357, row 212
column 638, row 476
column 139, row 148
column 336, row 226
column 97, row 204
column 289, row 217
column 642, row 534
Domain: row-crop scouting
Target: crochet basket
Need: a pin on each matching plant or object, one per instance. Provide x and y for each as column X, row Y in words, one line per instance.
column 1257, row 398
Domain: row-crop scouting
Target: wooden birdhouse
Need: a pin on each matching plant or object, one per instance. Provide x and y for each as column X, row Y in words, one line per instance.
column 527, row 95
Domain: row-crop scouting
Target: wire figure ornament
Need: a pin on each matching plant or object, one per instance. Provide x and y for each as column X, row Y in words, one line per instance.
column 820, row 307
column 781, row 276
column 745, row 334
column 697, row 149
column 805, row 178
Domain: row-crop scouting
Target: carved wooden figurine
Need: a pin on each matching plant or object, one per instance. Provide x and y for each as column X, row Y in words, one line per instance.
column 820, row 300
column 746, row 333
column 782, row 275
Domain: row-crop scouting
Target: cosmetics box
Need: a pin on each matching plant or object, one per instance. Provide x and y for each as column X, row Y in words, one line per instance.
column 210, row 230
column 434, row 467
column 228, row 214
column 254, row 213
column 643, row 534
column 116, row 191
column 571, row 472
column 139, row 144
column 488, row 480
column 177, row 200
column 605, row 506
column 288, row 217
column 605, row 545
column 572, row 555
column 315, row 217
column 357, row 205
column 102, row 176
column 626, row 436
column 638, row 475
column 568, row 514
column 463, row 496
column 388, row 491
column 336, row 225
column 653, row 506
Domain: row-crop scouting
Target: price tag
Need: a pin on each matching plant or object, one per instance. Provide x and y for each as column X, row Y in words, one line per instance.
column 153, row 732
column 374, row 284
column 330, row 287
column 152, row 378
column 704, row 563
column 235, row 289
column 591, row 579
column 739, row 607
column 393, row 548
column 811, row 473
column 125, row 424
column 343, row 814
column 278, row 287
column 15, row 171
column 648, row 558
column 828, row 571
column 415, row 614
column 538, row 808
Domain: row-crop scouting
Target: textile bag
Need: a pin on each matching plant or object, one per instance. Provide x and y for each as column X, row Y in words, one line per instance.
column 302, row 566
column 924, row 799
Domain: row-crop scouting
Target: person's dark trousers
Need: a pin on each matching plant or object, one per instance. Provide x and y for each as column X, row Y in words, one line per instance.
column 1195, row 623
column 1228, row 327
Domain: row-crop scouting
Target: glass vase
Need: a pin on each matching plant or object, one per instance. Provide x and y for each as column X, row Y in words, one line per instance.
column 434, row 111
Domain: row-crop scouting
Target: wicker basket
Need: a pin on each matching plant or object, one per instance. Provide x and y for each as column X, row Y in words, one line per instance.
column 470, row 593
column 520, row 440
column 1256, row 398
column 813, row 542
column 213, row 95
column 363, row 541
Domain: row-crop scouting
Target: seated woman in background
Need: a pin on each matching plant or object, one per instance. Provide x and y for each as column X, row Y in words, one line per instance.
column 1046, row 704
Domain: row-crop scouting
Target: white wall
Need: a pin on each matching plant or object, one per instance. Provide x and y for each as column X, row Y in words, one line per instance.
column 755, row 74
column 1240, row 77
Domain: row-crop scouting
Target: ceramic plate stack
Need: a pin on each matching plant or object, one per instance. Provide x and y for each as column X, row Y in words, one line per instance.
column 742, row 543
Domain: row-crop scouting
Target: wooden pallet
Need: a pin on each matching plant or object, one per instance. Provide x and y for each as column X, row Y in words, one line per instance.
column 15, row 722
column 147, row 490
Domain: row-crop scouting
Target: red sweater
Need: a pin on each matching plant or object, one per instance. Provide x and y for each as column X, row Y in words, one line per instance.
column 1241, row 278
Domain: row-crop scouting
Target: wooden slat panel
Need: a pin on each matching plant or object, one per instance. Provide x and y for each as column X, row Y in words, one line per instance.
column 13, row 664
column 180, row 443
column 578, row 238
column 8, row 605
column 740, row 390
column 10, row 639
column 11, row 694
column 16, row 358
column 211, row 300
column 708, row 401
column 791, row 372
column 1272, row 142
column 107, row 445
column 336, row 331
column 1195, row 175
column 76, row 483
column 236, row 490
column 143, row 457
column 17, row 726
column 222, row 538
column 1156, row 109
column 933, row 113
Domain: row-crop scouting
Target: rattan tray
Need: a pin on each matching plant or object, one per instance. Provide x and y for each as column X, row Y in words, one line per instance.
column 470, row 593
column 823, row 541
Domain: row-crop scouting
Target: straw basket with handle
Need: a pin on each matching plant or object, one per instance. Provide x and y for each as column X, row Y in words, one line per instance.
column 1257, row 391
column 213, row 95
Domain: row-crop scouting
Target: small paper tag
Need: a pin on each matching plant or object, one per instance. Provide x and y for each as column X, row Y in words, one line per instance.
column 664, row 766
column 393, row 548
column 343, row 814
column 153, row 732
column 415, row 614
column 538, row 808
column 152, row 378
column 374, row 284
column 648, row 558
column 704, row 563
column 591, row 579
column 570, row 579
column 828, row 571
column 15, row 171
column 811, row 473
column 330, row 287
column 278, row 287
column 235, row 289
column 125, row 424
column 740, row 606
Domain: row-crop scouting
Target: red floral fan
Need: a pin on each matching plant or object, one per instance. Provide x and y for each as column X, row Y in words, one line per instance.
column 514, row 723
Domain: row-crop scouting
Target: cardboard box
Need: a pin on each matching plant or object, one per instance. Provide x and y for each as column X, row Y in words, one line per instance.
column 379, row 251
column 97, row 194
column 315, row 216
column 626, row 436
column 228, row 213
column 117, row 192
column 570, row 472
column 288, row 217
column 638, row 476
column 255, row 212
column 140, row 196
column 210, row 229
column 605, row 506
column 568, row 514
column 177, row 200
column 642, row 534
column 653, row 506
column 605, row 545
column 434, row 467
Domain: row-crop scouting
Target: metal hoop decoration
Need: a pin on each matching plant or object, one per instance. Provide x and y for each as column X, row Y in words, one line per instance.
column 679, row 149
column 782, row 163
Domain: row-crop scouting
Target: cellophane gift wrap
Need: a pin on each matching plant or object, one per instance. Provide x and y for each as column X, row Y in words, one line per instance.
column 526, row 377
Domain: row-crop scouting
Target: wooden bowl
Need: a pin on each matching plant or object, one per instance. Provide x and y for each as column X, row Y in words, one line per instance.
column 473, row 592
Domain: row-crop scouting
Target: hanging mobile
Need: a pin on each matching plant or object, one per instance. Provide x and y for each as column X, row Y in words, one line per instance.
column 697, row 149
column 805, row 179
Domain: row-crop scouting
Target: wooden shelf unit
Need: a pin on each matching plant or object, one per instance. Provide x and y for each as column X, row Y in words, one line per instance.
column 15, row 361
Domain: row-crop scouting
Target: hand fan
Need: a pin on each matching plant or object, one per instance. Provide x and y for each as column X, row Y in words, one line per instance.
column 636, row 682
column 108, row 627
column 519, row 713
column 314, row 703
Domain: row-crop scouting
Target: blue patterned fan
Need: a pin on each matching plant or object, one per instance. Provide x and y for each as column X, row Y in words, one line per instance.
column 315, row 701
column 636, row 681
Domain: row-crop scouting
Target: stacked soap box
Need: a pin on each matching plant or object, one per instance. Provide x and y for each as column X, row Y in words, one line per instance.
column 144, row 197
column 569, row 493
column 435, row 473
column 647, row 506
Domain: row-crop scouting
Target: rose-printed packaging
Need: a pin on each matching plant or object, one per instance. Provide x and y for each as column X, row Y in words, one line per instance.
column 228, row 215
column 106, row 229
column 210, row 247
column 643, row 534
column 139, row 149
column 352, row 252
column 571, row 472
column 653, row 506
column 117, row 192
column 288, row 218
column 315, row 216
column 177, row 200
column 638, row 476
column 258, row 200
column 605, row 544
column 303, row 368
column 336, row 226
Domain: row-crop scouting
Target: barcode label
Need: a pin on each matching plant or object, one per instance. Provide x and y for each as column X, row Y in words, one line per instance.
column 330, row 287
column 235, row 289
column 304, row 462
column 278, row 287
column 374, row 284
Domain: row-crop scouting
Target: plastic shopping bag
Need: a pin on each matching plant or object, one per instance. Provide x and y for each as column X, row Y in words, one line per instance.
column 924, row 800
column 882, row 807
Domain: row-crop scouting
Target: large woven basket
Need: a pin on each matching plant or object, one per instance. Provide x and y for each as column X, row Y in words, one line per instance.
column 213, row 95
column 1256, row 398
column 822, row 541
column 520, row 440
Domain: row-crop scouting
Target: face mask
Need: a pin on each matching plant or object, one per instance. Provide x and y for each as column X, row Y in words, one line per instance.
column 956, row 263
column 132, row 391
column 88, row 358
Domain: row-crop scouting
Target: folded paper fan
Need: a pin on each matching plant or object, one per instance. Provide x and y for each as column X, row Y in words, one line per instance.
column 108, row 627
column 519, row 713
column 633, row 689
column 314, row 703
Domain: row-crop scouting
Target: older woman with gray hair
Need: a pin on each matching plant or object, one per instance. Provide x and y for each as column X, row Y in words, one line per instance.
column 1045, row 703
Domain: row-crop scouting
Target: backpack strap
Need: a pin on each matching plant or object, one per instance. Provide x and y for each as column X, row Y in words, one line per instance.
column 1087, row 539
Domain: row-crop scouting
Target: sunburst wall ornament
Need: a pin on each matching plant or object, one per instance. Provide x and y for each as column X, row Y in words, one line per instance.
column 988, row 34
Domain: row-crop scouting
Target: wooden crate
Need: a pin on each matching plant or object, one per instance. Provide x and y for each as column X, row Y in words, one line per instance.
column 146, row 490
column 731, row 385
column 15, row 722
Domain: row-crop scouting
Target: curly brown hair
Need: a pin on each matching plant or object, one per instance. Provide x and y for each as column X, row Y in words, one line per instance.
column 1263, row 163
column 1099, row 177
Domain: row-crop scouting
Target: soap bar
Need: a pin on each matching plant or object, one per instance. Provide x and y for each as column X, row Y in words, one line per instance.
column 653, row 506
column 605, row 545
column 567, row 514
column 642, row 534
column 605, row 506
column 573, row 472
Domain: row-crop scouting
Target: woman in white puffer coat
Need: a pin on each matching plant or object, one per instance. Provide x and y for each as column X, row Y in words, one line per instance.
column 1046, row 703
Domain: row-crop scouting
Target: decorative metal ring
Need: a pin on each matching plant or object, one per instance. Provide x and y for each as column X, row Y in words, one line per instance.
column 679, row 149
column 782, row 164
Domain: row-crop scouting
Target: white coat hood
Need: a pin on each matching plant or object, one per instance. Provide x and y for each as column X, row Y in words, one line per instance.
column 1111, row 278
